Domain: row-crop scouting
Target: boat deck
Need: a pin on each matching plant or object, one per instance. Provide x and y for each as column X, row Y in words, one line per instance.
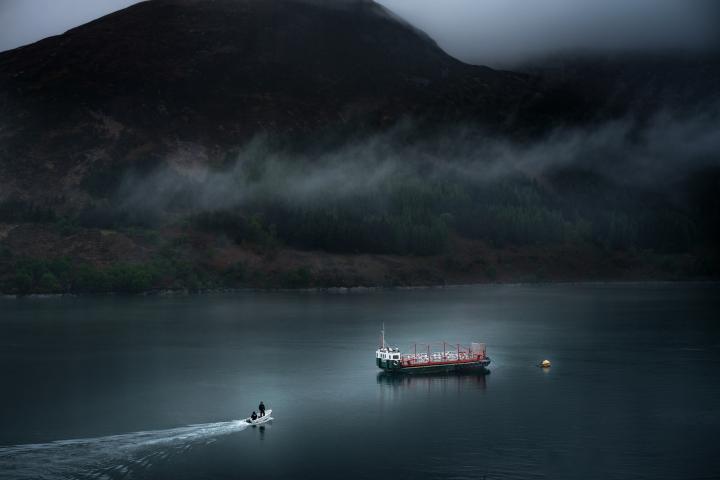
column 449, row 358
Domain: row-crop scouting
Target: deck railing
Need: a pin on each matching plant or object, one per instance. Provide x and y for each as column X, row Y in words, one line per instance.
column 457, row 355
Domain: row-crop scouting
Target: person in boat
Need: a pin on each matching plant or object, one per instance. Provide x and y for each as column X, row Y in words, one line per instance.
column 261, row 407
column 254, row 416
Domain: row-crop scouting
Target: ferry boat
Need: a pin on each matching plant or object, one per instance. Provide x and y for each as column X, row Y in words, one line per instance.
column 427, row 359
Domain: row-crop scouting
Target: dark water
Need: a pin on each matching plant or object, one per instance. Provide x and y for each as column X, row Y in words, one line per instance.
column 148, row 387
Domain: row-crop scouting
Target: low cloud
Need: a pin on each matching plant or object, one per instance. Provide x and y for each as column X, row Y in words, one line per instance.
column 504, row 32
column 654, row 155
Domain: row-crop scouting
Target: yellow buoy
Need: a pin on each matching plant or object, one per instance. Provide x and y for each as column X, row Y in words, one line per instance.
column 545, row 363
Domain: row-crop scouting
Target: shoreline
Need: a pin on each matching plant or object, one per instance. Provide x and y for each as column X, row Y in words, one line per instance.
column 40, row 262
column 357, row 289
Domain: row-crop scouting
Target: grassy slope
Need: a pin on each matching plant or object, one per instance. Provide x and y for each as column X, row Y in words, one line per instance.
column 90, row 260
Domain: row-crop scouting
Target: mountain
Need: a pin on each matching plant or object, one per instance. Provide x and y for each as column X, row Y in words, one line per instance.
column 582, row 87
column 192, row 144
column 141, row 83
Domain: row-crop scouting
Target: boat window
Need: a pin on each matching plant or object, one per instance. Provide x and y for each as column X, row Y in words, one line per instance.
column 396, row 357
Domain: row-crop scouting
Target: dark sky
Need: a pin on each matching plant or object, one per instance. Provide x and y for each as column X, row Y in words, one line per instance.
column 504, row 31
column 478, row 31
column 26, row 21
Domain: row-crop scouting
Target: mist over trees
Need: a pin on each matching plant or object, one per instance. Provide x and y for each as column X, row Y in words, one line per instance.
column 613, row 186
column 620, row 185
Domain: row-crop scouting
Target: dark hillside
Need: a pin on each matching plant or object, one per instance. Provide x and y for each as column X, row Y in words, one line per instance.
column 586, row 87
column 128, row 88
column 306, row 143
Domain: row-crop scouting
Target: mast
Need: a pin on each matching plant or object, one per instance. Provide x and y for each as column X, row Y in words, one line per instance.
column 383, row 335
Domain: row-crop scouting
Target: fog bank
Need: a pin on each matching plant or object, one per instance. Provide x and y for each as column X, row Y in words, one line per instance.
column 653, row 156
column 504, row 32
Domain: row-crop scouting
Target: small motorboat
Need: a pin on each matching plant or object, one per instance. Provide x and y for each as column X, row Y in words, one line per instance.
column 259, row 420
column 545, row 364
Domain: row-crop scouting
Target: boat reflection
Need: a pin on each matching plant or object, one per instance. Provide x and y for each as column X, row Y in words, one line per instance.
column 475, row 379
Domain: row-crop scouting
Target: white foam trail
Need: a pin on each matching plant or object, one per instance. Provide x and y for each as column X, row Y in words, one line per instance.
column 105, row 457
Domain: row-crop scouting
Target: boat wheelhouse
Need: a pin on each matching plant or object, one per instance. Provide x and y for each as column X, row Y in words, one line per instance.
column 429, row 358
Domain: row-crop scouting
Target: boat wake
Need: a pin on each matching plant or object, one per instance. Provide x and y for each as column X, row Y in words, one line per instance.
column 106, row 457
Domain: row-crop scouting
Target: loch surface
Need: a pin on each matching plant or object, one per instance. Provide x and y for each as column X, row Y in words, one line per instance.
column 149, row 387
